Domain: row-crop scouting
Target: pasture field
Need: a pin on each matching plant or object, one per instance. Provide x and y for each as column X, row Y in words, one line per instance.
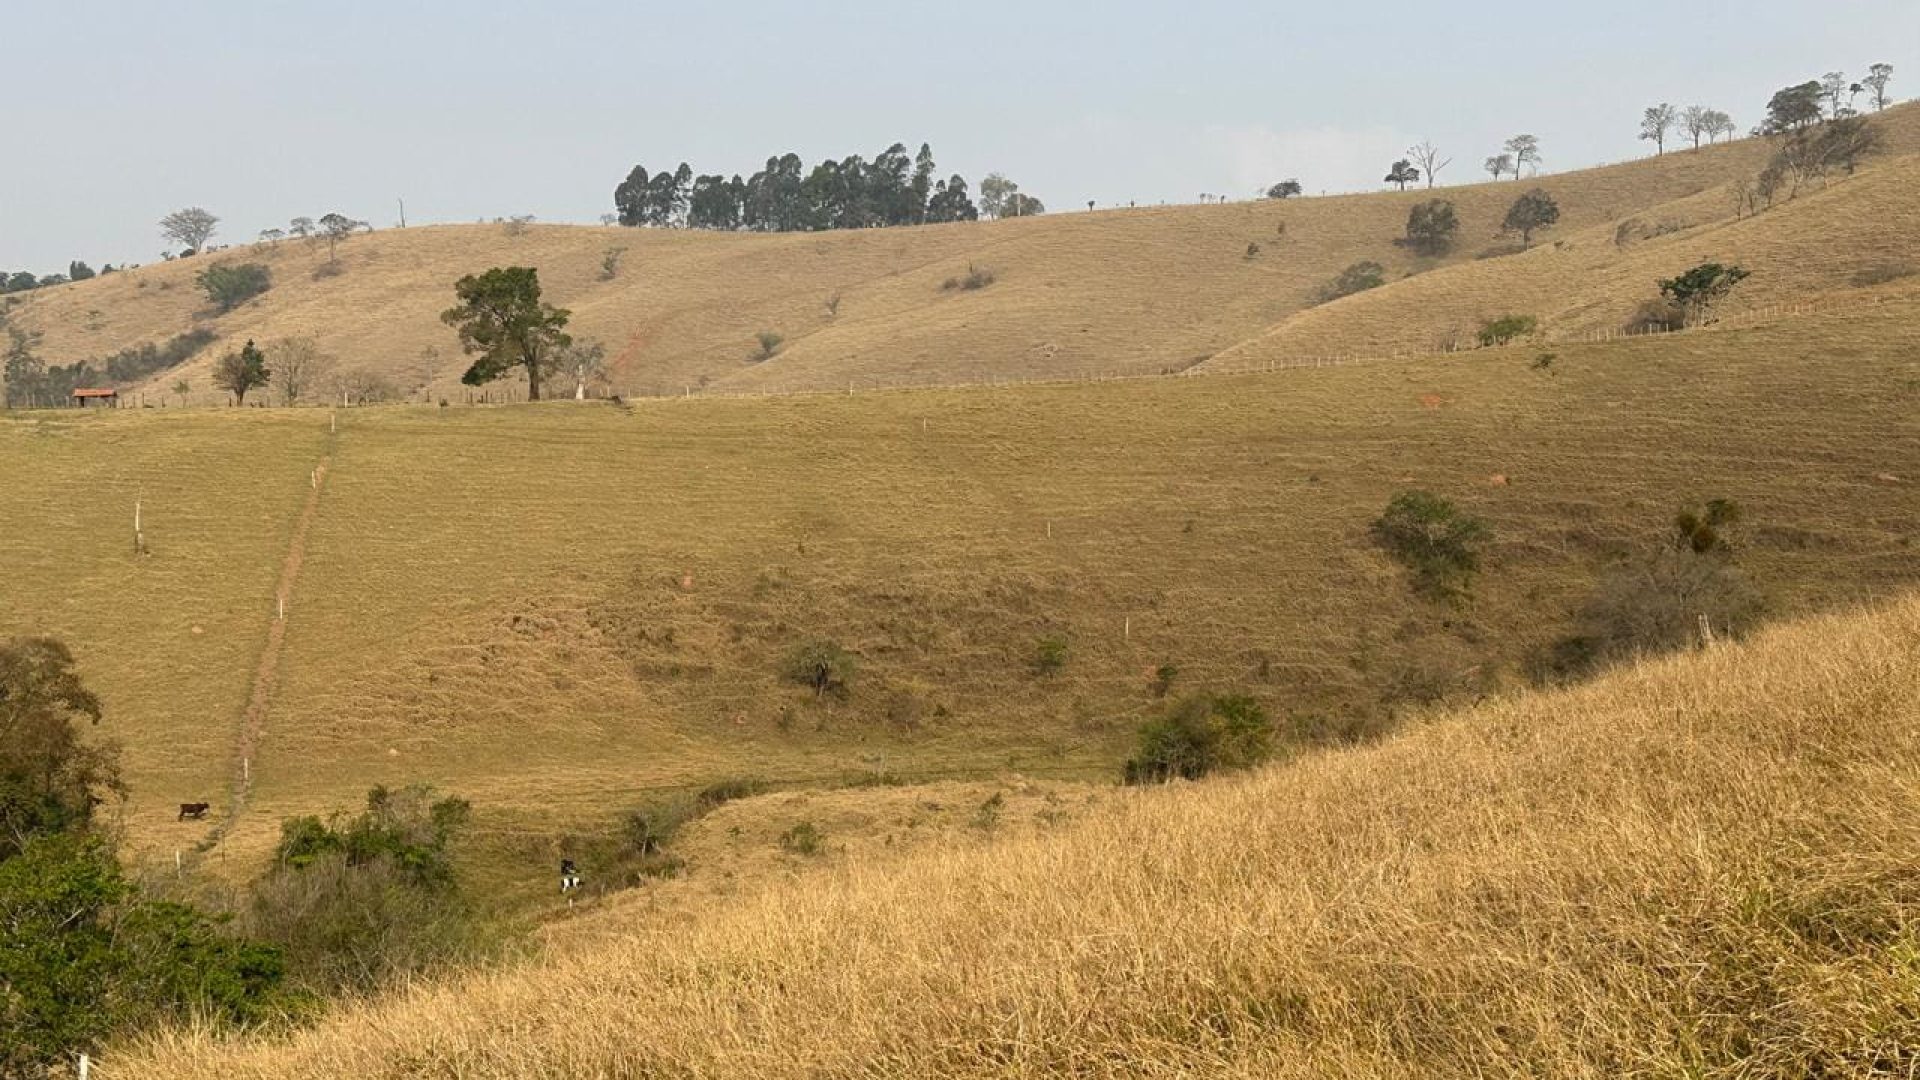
column 560, row 611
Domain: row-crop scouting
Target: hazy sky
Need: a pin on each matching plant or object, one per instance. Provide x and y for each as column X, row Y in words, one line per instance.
column 121, row 110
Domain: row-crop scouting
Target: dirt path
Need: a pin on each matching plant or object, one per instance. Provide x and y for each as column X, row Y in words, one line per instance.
column 240, row 789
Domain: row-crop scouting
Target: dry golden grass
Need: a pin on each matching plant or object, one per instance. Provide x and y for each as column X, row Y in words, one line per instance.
column 560, row 611
column 1077, row 294
column 1702, row 867
column 1581, row 282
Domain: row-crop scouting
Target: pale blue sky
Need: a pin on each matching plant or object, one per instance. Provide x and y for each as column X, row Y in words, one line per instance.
column 121, row 110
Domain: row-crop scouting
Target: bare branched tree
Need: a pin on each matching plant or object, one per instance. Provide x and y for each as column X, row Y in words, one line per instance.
column 298, row 367
column 1878, row 76
column 1427, row 156
column 1655, row 123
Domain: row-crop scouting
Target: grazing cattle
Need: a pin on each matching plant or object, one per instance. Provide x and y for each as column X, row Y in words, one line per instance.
column 193, row 810
column 569, row 877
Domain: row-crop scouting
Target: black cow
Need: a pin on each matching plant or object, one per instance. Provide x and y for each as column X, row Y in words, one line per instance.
column 193, row 810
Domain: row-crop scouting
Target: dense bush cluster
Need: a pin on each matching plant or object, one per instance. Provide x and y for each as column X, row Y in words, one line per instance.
column 1357, row 278
column 228, row 285
column 1202, row 734
column 356, row 903
column 84, row 954
column 1507, row 328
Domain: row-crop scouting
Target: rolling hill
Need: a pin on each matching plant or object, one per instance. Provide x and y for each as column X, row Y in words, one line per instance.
column 1700, row 867
column 565, row 612
column 559, row 611
column 1076, row 295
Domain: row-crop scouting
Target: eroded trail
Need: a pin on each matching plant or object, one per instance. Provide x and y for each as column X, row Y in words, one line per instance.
column 266, row 675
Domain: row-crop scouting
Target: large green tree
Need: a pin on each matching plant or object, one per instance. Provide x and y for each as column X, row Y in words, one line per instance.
column 504, row 325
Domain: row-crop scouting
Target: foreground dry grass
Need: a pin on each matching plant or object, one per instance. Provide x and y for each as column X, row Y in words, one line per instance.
column 1702, row 867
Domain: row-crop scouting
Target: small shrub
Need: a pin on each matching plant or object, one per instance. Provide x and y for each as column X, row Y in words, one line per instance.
column 1633, row 229
column 1702, row 530
column 1357, row 278
column 770, row 343
column 1253, row 249
column 803, row 839
column 228, row 285
column 1507, row 328
column 721, row 792
column 1543, row 362
column 1437, row 542
column 610, row 263
column 649, row 829
column 1883, row 273
column 1203, row 734
column 327, row 270
column 822, row 666
column 1049, row 656
column 833, row 306
column 977, row 277
column 1657, row 316
column 1163, row 678
column 1651, row 604
column 987, row 816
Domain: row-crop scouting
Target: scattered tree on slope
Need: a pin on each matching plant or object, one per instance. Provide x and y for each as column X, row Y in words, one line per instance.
column 1533, row 211
column 503, row 323
column 1656, row 122
column 1431, row 226
column 191, row 227
column 239, row 372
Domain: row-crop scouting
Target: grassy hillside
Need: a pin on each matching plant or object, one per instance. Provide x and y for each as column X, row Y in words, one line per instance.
column 1699, row 868
column 1849, row 242
column 559, row 611
column 1120, row 291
